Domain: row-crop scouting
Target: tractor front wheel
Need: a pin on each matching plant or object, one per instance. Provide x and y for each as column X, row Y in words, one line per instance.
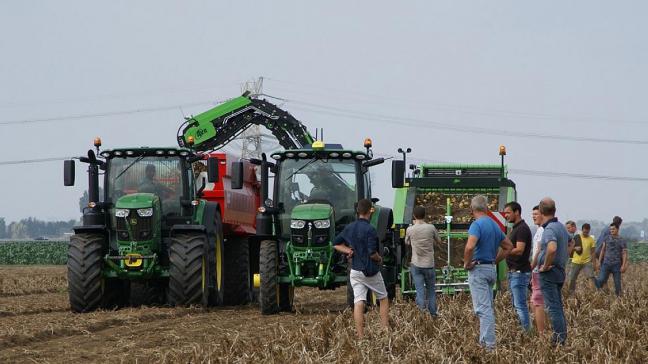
column 236, row 272
column 268, row 271
column 85, row 281
column 188, row 271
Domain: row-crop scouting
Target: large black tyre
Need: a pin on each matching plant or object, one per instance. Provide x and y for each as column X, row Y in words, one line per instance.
column 85, row 261
column 188, row 280
column 268, row 271
column 235, row 281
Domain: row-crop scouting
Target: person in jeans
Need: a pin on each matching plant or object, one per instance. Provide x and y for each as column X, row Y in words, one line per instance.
column 613, row 259
column 605, row 234
column 537, row 301
column 552, row 259
column 359, row 241
column 571, row 245
column 582, row 259
column 518, row 263
column 482, row 253
column 422, row 236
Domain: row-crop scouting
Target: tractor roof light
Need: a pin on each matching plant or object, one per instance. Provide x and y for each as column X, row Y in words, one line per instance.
column 97, row 142
column 159, row 152
column 105, row 154
column 184, row 153
column 360, row 157
column 130, row 152
column 346, row 155
column 318, row 145
column 276, row 156
column 334, row 155
column 118, row 153
column 171, row 152
column 302, row 155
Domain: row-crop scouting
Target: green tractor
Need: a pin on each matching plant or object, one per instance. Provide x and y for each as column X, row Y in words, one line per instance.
column 151, row 238
column 315, row 193
column 315, row 189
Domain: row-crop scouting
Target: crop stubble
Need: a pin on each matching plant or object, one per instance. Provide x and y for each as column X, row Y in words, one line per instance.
column 37, row 326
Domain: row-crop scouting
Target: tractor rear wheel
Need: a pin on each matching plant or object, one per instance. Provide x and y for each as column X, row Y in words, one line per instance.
column 236, row 272
column 188, row 271
column 268, row 271
column 85, row 262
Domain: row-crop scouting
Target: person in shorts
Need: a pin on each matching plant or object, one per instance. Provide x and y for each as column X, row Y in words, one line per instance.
column 359, row 241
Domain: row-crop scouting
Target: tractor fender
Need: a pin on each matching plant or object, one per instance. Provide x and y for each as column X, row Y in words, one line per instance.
column 90, row 229
column 382, row 220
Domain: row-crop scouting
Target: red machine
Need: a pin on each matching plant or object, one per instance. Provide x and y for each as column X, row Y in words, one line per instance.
column 239, row 207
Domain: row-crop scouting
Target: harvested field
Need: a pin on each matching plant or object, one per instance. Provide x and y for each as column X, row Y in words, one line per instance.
column 36, row 326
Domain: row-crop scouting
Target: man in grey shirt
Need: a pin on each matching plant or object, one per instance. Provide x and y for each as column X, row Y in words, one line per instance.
column 552, row 260
column 422, row 236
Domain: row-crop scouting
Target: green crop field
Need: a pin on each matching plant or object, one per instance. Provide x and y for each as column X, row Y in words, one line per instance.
column 33, row 252
column 55, row 252
column 638, row 251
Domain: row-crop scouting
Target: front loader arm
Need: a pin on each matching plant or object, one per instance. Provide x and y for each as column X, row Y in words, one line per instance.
column 218, row 126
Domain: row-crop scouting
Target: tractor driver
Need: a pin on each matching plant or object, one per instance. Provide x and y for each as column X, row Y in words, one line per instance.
column 322, row 186
column 150, row 185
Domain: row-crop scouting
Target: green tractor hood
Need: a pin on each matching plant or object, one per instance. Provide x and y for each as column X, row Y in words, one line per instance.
column 137, row 201
column 312, row 211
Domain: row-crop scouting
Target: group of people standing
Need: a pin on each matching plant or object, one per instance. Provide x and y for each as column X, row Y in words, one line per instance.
column 541, row 261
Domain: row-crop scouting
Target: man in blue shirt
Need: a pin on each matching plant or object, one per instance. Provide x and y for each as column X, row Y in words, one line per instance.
column 481, row 255
column 552, row 259
column 605, row 234
column 359, row 241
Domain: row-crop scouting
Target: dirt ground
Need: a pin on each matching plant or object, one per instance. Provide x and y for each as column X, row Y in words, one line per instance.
column 36, row 325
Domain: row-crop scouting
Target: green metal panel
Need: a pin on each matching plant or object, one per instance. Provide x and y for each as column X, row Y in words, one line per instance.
column 136, row 201
column 203, row 129
column 312, row 211
column 400, row 203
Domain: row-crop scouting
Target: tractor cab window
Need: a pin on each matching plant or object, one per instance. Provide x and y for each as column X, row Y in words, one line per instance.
column 158, row 175
column 318, row 181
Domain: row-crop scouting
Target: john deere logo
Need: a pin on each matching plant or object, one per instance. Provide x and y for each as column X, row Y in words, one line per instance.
column 133, row 221
column 201, row 132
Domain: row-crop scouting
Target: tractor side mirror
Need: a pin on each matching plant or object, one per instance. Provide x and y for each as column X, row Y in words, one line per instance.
column 237, row 175
column 68, row 172
column 398, row 173
column 212, row 170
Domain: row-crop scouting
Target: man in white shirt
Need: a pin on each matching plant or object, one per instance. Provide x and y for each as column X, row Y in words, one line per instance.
column 537, row 300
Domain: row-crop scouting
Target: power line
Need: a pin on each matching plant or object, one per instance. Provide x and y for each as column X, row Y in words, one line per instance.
column 30, row 161
column 468, row 109
column 105, row 113
column 421, row 123
column 538, row 173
